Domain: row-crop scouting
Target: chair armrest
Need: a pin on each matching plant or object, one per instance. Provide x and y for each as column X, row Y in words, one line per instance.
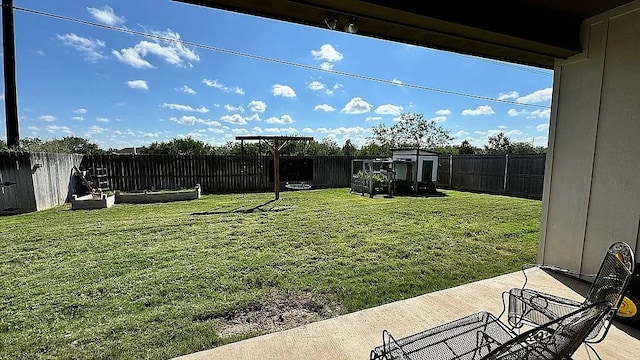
column 535, row 308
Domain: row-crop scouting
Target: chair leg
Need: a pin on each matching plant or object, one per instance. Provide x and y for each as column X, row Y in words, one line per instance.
column 589, row 346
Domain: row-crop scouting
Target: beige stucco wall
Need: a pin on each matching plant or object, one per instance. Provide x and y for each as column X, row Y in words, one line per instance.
column 592, row 183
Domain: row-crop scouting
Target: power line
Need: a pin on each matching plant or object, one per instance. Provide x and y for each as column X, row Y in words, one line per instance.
column 268, row 59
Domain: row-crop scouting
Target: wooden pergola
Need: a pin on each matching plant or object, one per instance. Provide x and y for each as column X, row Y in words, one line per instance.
column 275, row 144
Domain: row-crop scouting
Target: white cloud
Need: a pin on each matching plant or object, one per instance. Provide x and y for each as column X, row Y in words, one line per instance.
column 536, row 97
column 389, row 109
column 235, row 119
column 240, row 131
column 542, row 127
column 283, row 90
column 357, row 105
column 494, row 132
column 33, row 128
column 187, row 90
column 508, row 96
column 438, row 119
column 316, row 85
column 94, row 130
column 257, row 106
column 514, row 112
column 62, row 129
column 106, row 15
column 254, row 117
column 540, row 113
column 308, row 130
column 230, row 108
column 137, row 84
column 91, row 49
column 480, row 110
column 284, row 119
column 373, row 118
column 78, row 118
column 396, row 81
column 327, row 53
column 80, row 111
column 181, row 107
column 502, row 127
column 324, row 107
column 170, row 50
column 348, row 130
column 443, row 112
column 460, row 134
column 47, row 118
column 192, row 120
column 102, row 119
column 223, row 87
column 130, row 57
column 326, row 66
column 272, row 130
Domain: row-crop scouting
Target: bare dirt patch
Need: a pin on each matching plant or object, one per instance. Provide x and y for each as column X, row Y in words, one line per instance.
column 280, row 311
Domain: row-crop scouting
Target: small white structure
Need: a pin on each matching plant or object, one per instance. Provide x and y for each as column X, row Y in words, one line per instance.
column 416, row 170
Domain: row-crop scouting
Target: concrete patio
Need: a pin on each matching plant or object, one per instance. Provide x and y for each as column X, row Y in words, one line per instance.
column 352, row 336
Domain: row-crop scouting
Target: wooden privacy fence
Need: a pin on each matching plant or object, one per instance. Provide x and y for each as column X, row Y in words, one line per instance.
column 216, row 173
column 35, row 181
column 511, row 174
column 515, row 175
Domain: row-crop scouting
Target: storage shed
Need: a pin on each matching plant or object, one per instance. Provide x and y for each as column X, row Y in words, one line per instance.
column 416, row 170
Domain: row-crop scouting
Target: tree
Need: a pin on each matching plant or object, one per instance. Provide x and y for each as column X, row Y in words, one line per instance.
column 498, row 144
column 188, row 146
column 349, row 149
column 374, row 149
column 78, row 145
column 3, row 145
column 466, row 148
column 66, row 145
column 526, row 148
column 411, row 131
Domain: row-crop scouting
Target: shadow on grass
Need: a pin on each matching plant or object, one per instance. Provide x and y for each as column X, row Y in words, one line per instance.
column 404, row 195
column 243, row 210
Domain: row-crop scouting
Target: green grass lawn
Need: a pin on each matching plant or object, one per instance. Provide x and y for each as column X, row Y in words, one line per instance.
column 162, row 280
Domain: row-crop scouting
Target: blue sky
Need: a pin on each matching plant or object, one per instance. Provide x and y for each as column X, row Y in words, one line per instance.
column 120, row 89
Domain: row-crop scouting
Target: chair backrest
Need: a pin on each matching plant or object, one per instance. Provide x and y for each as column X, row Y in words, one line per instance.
column 614, row 275
column 610, row 284
column 557, row 339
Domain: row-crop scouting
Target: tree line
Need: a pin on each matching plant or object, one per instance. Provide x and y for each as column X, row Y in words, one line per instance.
column 409, row 131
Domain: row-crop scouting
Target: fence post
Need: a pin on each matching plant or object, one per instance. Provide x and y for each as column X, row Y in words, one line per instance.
column 506, row 172
column 450, row 171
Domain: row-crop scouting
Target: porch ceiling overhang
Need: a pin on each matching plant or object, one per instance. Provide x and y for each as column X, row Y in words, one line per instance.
column 530, row 32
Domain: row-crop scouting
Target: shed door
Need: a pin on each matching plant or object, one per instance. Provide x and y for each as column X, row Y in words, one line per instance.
column 427, row 170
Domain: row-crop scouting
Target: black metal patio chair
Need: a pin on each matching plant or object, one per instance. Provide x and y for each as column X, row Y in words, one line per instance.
column 530, row 307
column 484, row 336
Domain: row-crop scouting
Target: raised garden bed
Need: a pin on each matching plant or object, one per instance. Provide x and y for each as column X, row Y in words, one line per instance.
column 147, row 197
column 92, row 201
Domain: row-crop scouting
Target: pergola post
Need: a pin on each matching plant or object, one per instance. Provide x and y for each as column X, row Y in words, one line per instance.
column 276, row 168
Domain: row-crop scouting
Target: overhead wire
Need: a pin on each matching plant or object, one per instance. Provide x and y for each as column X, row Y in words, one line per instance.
column 268, row 59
